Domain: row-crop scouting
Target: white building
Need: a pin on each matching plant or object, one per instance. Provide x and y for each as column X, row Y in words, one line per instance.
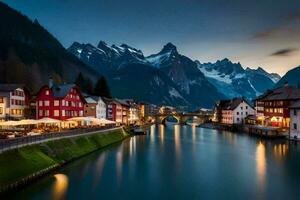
column 295, row 120
column 100, row 108
column 12, row 101
column 233, row 111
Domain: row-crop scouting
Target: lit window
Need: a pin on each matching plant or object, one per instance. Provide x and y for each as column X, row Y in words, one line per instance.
column 63, row 113
column 40, row 103
column 1, row 110
column 63, row 102
column 46, row 113
column 46, row 103
column 56, row 113
column 47, row 92
column 40, row 112
column 1, row 100
column 56, row 102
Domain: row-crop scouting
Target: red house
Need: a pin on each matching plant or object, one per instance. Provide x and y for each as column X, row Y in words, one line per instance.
column 59, row 102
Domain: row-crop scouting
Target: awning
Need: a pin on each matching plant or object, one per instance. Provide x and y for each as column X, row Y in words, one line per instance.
column 9, row 123
column 48, row 121
column 27, row 122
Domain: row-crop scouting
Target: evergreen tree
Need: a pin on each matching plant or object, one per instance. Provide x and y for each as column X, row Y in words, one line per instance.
column 80, row 82
column 88, row 86
column 102, row 88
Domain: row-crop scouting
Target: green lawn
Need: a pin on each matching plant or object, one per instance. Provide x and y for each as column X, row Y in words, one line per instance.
column 19, row 163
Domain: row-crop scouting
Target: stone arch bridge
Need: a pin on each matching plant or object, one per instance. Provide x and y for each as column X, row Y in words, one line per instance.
column 182, row 118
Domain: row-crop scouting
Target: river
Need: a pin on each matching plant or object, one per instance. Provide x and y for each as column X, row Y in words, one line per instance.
column 178, row 162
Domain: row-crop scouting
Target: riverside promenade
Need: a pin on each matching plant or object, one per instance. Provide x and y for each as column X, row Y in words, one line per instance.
column 14, row 143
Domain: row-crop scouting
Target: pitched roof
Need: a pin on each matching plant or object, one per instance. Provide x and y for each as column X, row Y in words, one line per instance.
column 90, row 100
column 282, row 93
column 60, row 91
column 5, row 89
column 122, row 102
column 231, row 104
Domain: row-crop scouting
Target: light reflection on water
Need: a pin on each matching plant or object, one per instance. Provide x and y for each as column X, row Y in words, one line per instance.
column 261, row 164
column 180, row 162
column 177, row 141
column 60, row 186
column 280, row 151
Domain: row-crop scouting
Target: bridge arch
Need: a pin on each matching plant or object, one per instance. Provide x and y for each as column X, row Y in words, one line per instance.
column 163, row 119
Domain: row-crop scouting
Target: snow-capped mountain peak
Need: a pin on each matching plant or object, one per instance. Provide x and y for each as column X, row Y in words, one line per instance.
column 233, row 80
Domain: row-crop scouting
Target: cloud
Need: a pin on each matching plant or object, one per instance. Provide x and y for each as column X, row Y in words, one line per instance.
column 268, row 33
column 284, row 52
column 293, row 16
column 264, row 34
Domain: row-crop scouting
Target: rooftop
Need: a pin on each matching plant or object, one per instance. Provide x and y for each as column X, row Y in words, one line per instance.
column 281, row 93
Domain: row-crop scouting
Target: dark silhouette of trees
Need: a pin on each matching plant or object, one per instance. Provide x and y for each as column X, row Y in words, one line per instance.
column 102, row 88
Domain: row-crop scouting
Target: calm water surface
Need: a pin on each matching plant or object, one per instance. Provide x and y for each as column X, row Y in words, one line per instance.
column 179, row 162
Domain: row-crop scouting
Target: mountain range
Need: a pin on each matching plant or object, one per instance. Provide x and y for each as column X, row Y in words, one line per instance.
column 30, row 54
column 193, row 84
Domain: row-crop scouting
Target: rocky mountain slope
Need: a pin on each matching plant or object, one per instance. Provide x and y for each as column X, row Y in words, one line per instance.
column 30, row 54
column 292, row 77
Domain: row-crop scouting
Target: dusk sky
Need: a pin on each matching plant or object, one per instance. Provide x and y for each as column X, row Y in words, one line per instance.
column 262, row 33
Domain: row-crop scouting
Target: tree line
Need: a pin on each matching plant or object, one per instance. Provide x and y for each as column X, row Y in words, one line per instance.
column 101, row 87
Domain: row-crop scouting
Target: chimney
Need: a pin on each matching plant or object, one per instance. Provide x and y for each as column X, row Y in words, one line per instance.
column 286, row 84
column 50, row 84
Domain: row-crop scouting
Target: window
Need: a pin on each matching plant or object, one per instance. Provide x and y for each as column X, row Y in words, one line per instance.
column 63, row 102
column 40, row 103
column 56, row 113
column 47, row 92
column 295, row 112
column 237, row 119
column 56, row 102
column 246, row 107
column 46, row 103
column 80, row 104
column 63, row 113
column 1, row 111
column 295, row 126
column 246, row 113
column 241, row 107
column 1, row 100
column 40, row 112
column 80, row 113
column 46, row 113
column 237, row 113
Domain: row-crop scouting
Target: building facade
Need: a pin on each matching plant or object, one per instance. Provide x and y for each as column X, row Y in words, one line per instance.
column 232, row 111
column 90, row 107
column 100, row 108
column 276, row 105
column 13, row 101
column 295, row 120
column 60, row 102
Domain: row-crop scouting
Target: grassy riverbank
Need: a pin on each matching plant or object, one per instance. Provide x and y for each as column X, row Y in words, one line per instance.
column 20, row 163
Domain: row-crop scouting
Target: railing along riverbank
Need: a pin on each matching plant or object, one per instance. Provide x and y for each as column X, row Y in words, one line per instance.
column 14, row 143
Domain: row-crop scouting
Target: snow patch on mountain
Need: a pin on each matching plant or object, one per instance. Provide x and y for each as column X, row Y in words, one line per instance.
column 174, row 93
